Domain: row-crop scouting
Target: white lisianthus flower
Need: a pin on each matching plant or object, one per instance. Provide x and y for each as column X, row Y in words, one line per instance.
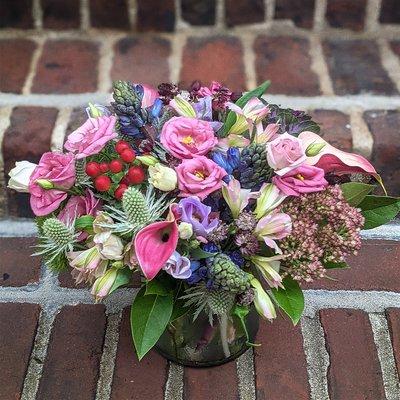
column 20, row 175
column 162, row 177
column 109, row 245
column 185, row 230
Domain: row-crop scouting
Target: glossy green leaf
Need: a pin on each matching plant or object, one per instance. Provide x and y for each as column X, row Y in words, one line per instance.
column 85, row 222
column 149, row 317
column 179, row 310
column 198, row 254
column 333, row 265
column 355, row 192
column 158, row 287
column 241, row 102
column 290, row 299
column 124, row 276
column 378, row 210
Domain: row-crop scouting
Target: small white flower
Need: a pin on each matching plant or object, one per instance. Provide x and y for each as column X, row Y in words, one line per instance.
column 20, row 175
column 162, row 177
column 109, row 245
column 185, row 230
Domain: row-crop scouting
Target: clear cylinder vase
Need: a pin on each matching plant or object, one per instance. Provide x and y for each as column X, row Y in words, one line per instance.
column 197, row 343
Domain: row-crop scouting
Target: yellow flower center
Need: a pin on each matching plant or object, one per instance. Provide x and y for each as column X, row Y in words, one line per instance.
column 187, row 140
column 299, row 176
column 200, row 174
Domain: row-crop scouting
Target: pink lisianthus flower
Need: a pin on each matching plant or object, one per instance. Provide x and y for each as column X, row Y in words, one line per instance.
column 155, row 244
column 80, row 205
column 303, row 179
column 91, row 137
column 185, row 137
column 285, row 153
column 178, row 266
column 199, row 177
column 149, row 95
column 272, row 227
column 59, row 171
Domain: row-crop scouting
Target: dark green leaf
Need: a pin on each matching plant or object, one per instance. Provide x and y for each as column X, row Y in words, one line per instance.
column 179, row 310
column 355, row 192
column 149, row 317
column 333, row 265
column 123, row 278
column 290, row 299
column 198, row 254
column 85, row 222
column 379, row 210
column 241, row 102
column 158, row 287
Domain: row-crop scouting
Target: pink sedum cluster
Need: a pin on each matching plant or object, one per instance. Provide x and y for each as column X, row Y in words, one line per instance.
column 325, row 229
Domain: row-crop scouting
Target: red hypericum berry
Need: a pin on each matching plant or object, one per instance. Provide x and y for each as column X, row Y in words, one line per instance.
column 103, row 167
column 121, row 146
column 92, row 169
column 119, row 192
column 128, row 155
column 136, row 175
column 102, row 183
column 116, row 166
column 125, row 181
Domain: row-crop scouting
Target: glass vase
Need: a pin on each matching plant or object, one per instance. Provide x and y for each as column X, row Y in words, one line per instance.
column 197, row 343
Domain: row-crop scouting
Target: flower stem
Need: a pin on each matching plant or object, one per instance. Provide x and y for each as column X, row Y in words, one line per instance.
column 223, row 321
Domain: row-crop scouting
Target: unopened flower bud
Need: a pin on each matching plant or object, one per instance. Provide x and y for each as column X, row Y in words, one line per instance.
column 185, row 230
column 147, row 160
column 45, row 184
column 314, row 148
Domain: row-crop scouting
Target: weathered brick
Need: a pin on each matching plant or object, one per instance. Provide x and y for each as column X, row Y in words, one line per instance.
column 239, row 12
column 109, row 14
column 384, row 126
column 26, row 123
column 67, row 66
column 345, row 14
column 218, row 58
column 71, row 368
column 155, row 16
column 198, row 12
column 279, row 358
column 17, row 266
column 134, row 379
column 390, row 12
column 142, row 59
column 393, row 318
column 366, row 272
column 395, row 45
column 335, row 128
column 354, row 371
column 60, row 14
column 211, row 383
column 301, row 12
column 16, row 58
column 286, row 62
column 77, row 118
column 355, row 67
column 16, row 14
column 17, row 332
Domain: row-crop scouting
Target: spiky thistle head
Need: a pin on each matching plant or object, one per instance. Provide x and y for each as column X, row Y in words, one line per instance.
column 135, row 207
column 57, row 232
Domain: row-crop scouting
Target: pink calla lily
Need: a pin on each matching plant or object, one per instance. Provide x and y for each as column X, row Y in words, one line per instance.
column 149, row 95
column 334, row 160
column 155, row 244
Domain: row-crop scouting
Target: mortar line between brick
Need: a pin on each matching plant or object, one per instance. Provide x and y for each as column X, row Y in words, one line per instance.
column 246, row 375
column 319, row 15
column 26, row 90
column 319, row 66
column 38, row 354
column 390, row 62
column 269, row 10
column 175, row 58
column 372, row 12
column 220, row 14
column 58, row 134
column 105, row 63
column 132, row 14
column 249, row 60
column 384, row 349
column 180, row 23
column 107, row 363
column 37, row 14
column 363, row 141
column 175, row 382
column 317, row 357
column 84, row 12
column 5, row 120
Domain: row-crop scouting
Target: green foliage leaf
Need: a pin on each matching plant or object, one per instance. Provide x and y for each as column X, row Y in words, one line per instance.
column 355, row 192
column 158, row 287
column 179, row 310
column 241, row 102
column 333, row 265
column 85, row 222
column 290, row 299
column 379, row 210
column 150, row 315
column 124, row 276
column 198, row 254
column 241, row 313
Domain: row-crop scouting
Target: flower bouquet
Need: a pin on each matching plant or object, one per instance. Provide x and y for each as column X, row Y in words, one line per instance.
column 222, row 203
